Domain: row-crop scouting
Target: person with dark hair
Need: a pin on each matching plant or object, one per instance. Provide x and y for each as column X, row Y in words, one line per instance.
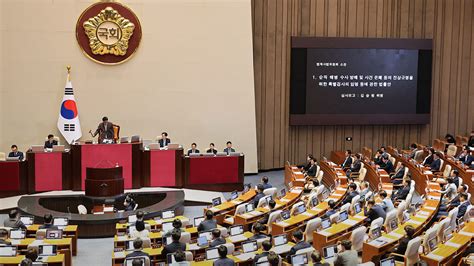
column 312, row 169
column 266, row 246
column 175, row 245
column 217, row 240
column 429, row 159
column 140, row 216
column 193, row 149
column 4, row 237
column 402, row 246
column 31, row 253
column 50, row 142
column 229, row 148
column 352, row 193
column 137, row 262
column 48, row 222
column 316, row 258
column 14, row 221
column 355, row 167
column 413, row 150
column 463, row 206
column 450, row 191
column 15, row 153
column 300, row 243
column 345, row 255
column 397, row 177
column 259, row 195
column 26, row 262
column 211, row 149
column 180, row 258
column 271, row 206
column 105, row 130
column 435, row 166
column 258, row 228
column 273, row 259
column 332, row 208
column 450, row 139
column 137, row 252
column 348, row 160
column 140, row 231
column 265, row 182
column 209, row 223
column 378, row 158
column 470, row 141
column 387, row 165
column 129, row 203
column 304, row 168
column 373, row 211
column 403, row 192
column 223, row 260
column 164, row 141
column 387, row 204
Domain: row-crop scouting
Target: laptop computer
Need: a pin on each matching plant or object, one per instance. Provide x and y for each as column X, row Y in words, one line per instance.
column 357, row 208
column 343, row 216
column 280, row 244
column 325, row 224
column 54, row 234
column 249, row 207
column 314, row 201
column 387, row 262
column 282, row 192
column 195, row 155
column 207, row 234
column 198, row 220
column 237, row 233
column 12, row 159
column 216, row 201
column 37, row 148
column 135, row 139
column 234, row 194
column 61, row 222
column 154, row 146
column 448, row 234
column 129, row 261
column 17, row 234
column 166, row 227
column 212, row 254
column 202, row 241
column 393, row 224
column 248, row 250
column 173, row 146
column 7, row 251
column 376, row 233
column 47, row 250
column 268, row 199
column 58, row 148
column 301, row 209
column 432, row 244
column 167, row 214
column 132, row 219
column 27, row 220
column 234, row 154
column 329, row 251
column 285, row 215
column 300, row 259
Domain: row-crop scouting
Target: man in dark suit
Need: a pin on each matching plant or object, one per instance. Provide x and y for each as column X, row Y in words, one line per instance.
column 332, row 208
column 463, row 206
column 16, row 153
column 378, row 158
column 229, row 148
column 429, row 159
column 300, row 244
column 258, row 228
column 137, row 252
column 271, row 206
column 348, row 161
column 413, row 150
column 259, row 195
column 217, row 240
column 211, row 149
column 193, row 149
column 387, row 164
column 266, row 246
column 399, row 173
column 265, row 183
column 209, row 223
column 312, row 169
column 164, row 141
column 355, row 167
column 13, row 221
column 403, row 192
column 402, row 246
column 373, row 211
column 105, row 130
column 223, row 260
column 4, row 237
column 352, row 193
column 175, row 245
column 436, row 164
column 48, row 223
column 50, row 142
column 306, row 166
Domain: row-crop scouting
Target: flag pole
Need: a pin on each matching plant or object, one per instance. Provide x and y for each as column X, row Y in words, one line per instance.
column 68, row 73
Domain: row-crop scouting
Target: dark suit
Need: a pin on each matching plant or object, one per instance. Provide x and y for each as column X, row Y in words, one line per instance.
column 402, row 193
column 396, row 178
column 349, row 197
column 462, row 209
column 347, row 162
column 259, row 256
column 267, row 185
column 375, row 212
column 402, row 247
column 435, row 165
column 207, row 225
column 48, row 226
column 258, row 236
column 428, row 160
column 164, row 143
column 173, row 247
column 329, row 213
column 49, row 145
column 105, row 131
column 307, row 166
column 217, row 242
column 223, row 262
column 211, row 151
column 388, row 167
column 468, row 160
column 18, row 154
column 14, row 223
column 137, row 253
column 470, row 142
column 456, row 181
column 298, row 246
column 191, row 151
column 229, row 150
column 356, row 167
column 312, row 170
column 257, row 198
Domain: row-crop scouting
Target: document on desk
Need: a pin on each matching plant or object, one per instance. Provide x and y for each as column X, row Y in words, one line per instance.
column 430, row 208
column 245, row 256
column 236, row 201
column 307, row 214
column 466, row 233
column 395, row 234
column 214, row 209
column 414, row 222
column 282, row 224
column 15, row 242
column 284, row 200
column 378, row 242
column 427, row 172
column 37, row 243
column 296, row 190
column 435, row 257
column 454, row 245
column 120, row 254
column 350, row 222
column 97, row 213
column 423, row 213
column 108, row 209
column 122, row 238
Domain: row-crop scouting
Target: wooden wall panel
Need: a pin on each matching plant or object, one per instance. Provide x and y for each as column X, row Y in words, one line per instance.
column 449, row 23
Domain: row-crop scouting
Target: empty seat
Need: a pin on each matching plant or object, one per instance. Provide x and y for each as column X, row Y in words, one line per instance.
column 357, row 238
column 271, row 192
column 311, row 226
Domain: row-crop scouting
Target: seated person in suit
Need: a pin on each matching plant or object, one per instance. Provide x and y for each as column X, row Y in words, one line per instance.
column 436, row 164
column 348, row 160
column 352, row 193
column 378, row 158
column 26, row 262
column 445, row 207
column 386, row 203
column 48, row 222
column 373, row 211
column 259, row 195
column 428, row 159
column 265, row 182
column 355, row 167
column 175, row 245
column 402, row 246
column 14, row 221
column 304, row 168
column 50, row 142
column 164, row 141
column 211, row 149
column 217, row 240
column 413, row 150
column 257, row 229
column 223, row 260
column 229, row 148
column 345, row 255
column 364, row 189
column 193, row 149
column 332, row 208
column 399, row 173
column 271, row 206
column 470, row 142
column 31, row 253
column 463, row 206
column 266, row 246
column 4, row 237
column 387, row 165
column 312, row 169
column 140, row 231
column 300, row 244
column 209, row 223
column 177, row 225
column 129, row 203
column 403, row 192
column 16, row 153
column 273, row 259
column 137, row 252
column 180, row 258
column 316, row 258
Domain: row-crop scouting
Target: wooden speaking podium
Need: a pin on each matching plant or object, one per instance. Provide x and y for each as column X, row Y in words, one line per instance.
column 104, row 182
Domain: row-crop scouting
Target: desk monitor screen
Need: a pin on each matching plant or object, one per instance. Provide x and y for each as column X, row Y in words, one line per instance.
column 37, row 148
column 234, row 195
column 357, row 208
column 168, row 226
column 300, row 259
column 280, row 240
column 129, row 261
column 13, row 159
column 198, row 220
column 129, row 245
column 123, row 139
column 393, row 224
column 249, row 246
column 285, row 215
column 249, row 207
column 135, row 138
column 202, row 241
column 216, row 201
column 447, row 234
column 58, row 148
column 27, row 220
column 387, row 262
column 325, row 224
column 154, row 146
column 47, row 250
column 173, row 146
column 343, row 216
column 329, row 251
column 54, row 234
column 168, row 214
column 314, row 201
column 7, row 251
column 60, row 221
column 207, row 234
column 132, row 218
column 432, row 243
column 17, row 234
column 376, row 232
column 212, row 254
column 236, row 230
column 283, row 192
column 301, row 208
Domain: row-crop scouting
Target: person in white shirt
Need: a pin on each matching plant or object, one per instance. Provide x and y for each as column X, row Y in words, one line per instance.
column 386, row 203
column 140, row 231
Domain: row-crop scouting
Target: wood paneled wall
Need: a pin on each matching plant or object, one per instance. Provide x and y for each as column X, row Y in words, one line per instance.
column 448, row 22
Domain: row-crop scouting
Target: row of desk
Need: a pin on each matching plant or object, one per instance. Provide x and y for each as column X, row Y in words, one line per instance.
column 47, row 171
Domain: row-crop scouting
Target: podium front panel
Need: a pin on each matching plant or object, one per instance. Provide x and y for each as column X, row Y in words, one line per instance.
column 162, row 168
column 47, row 171
column 13, row 177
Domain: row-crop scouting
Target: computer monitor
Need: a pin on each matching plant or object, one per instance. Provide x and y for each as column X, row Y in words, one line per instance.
column 60, row 221
column 249, row 207
column 202, row 241
column 12, row 159
column 387, row 262
column 325, row 223
column 7, row 251
column 249, row 246
column 47, row 250
column 247, row 187
column 167, row 214
column 280, row 240
column 234, row 194
column 59, row 148
column 393, row 224
column 236, row 230
column 168, row 226
column 132, row 218
column 300, row 259
column 135, row 138
column 27, row 220
column 329, row 251
column 357, row 208
column 301, row 208
column 448, row 234
column 129, row 261
column 216, row 201
column 314, row 201
column 207, row 234
column 54, row 234
column 17, row 234
column 129, row 245
column 432, row 243
column 282, row 192
column 343, row 216
column 285, row 215
column 212, row 254
column 198, row 220
column 376, row 232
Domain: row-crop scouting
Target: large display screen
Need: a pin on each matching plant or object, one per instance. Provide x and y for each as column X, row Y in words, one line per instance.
column 344, row 81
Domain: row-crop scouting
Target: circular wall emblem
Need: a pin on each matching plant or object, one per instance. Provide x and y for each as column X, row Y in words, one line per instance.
column 108, row 33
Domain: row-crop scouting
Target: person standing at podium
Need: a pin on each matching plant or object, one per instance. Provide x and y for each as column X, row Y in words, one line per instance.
column 164, row 141
column 229, row 148
column 16, row 153
column 50, row 142
column 193, row 149
column 105, row 130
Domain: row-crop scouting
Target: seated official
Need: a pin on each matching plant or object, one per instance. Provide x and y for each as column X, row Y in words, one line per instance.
column 313, row 187
column 26, row 262
column 175, row 245
column 364, row 189
column 271, row 206
column 435, row 166
column 211, row 149
column 209, row 223
column 387, row 165
column 463, row 206
column 455, row 201
column 399, row 174
column 105, row 130
column 137, row 252
column 300, row 244
column 48, row 223
column 386, row 203
column 316, row 258
column 259, row 195
column 257, row 229
column 164, row 141
column 378, row 158
column 345, row 255
column 4, row 237
column 304, row 168
column 217, row 240
column 177, row 225
column 352, row 193
column 223, row 260
column 265, row 183
column 140, row 217
column 15, row 153
column 180, row 258
column 31, row 253
column 266, row 246
column 332, row 208
column 450, row 191
column 413, row 150
column 50, row 142
column 456, row 177
column 14, row 221
column 140, row 231
column 402, row 246
column 355, row 167
column 129, row 203
column 348, row 160
column 273, row 259
column 193, row 149
column 403, row 192
column 450, row 139
column 373, row 211
column 229, row 148
column 429, row 159
column 312, row 169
